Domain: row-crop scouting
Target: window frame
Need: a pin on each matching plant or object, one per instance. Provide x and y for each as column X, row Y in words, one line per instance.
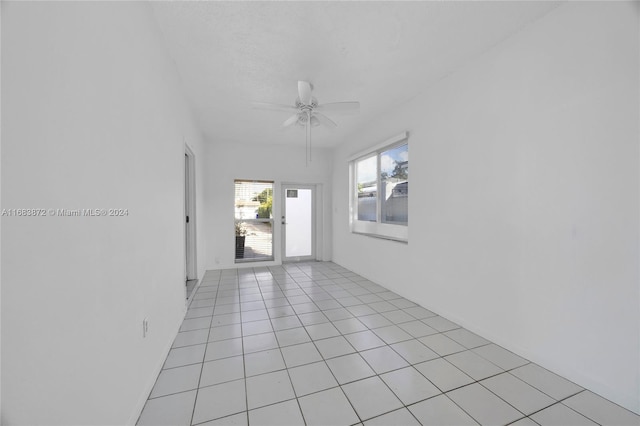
column 269, row 220
column 377, row 229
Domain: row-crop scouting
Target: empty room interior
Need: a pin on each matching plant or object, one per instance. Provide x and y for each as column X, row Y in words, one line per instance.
column 206, row 215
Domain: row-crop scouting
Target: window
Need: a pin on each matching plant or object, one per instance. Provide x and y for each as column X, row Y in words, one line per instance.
column 380, row 190
column 253, row 220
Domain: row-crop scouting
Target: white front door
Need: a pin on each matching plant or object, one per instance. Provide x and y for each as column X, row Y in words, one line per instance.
column 298, row 222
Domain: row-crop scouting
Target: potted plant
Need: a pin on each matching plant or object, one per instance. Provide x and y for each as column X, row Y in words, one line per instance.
column 241, row 233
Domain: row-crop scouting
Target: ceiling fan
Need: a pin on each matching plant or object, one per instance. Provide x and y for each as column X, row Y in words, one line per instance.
column 308, row 113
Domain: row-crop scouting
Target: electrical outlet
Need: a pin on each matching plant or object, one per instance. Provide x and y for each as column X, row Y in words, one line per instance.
column 145, row 327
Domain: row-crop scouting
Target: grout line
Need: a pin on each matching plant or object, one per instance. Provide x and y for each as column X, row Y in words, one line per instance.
column 320, row 284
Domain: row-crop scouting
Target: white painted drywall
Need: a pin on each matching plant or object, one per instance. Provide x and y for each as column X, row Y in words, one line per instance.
column 524, row 197
column 281, row 164
column 93, row 117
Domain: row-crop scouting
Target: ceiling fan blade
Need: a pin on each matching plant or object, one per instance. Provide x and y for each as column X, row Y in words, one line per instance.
column 323, row 119
column 304, row 92
column 339, row 107
column 291, row 120
column 274, row 107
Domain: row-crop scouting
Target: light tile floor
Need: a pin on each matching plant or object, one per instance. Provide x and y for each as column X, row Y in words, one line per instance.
column 317, row 344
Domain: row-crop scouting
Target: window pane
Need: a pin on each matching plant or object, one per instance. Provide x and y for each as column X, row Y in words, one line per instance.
column 366, row 182
column 253, row 220
column 394, row 177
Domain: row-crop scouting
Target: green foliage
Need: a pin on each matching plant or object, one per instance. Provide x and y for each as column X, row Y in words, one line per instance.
column 266, row 203
column 399, row 172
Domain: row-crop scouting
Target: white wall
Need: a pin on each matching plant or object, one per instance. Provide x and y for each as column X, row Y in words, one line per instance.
column 524, row 197
column 93, row 117
column 281, row 164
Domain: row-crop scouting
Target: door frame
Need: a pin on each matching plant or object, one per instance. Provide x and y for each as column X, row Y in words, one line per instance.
column 316, row 210
column 190, row 258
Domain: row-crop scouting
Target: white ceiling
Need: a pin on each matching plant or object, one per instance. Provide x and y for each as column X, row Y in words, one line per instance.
column 379, row 53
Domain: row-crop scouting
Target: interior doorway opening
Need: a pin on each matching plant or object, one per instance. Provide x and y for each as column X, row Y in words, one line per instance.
column 190, row 268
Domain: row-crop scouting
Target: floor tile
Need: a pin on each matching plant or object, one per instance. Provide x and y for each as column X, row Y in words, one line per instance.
column 440, row 411
column 474, row 365
column 256, row 327
column 337, row 314
column 382, row 306
column 439, row 323
column 322, row 331
column 304, row 353
column 360, row 310
column 312, row 318
column 223, row 349
column 305, row 308
column 280, row 311
column 349, row 368
column 333, row 347
column 523, row 397
column 285, row 323
column 222, row 370
column 306, row 333
column 314, row 409
column 484, row 406
column 225, row 319
column 259, row 342
column 418, row 328
column 466, row 338
column 226, row 309
column 419, row 312
column 195, row 324
column 268, row 389
column 409, row 385
column 327, row 304
column 414, row 351
column 184, row 356
column 364, row 340
column 292, row 336
column 171, row 410
column 443, row 374
column 375, row 320
column 349, row 325
column 560, row 415
column 263, row 362
column 252, row 306
column 403, row 303
column 199, row 312
column 256, row 315
column 225, row 332
column 188, row 338
column 524, row 422
column 601, row 410
column 311, row 378
column 176, row 380
column 442, row 345
column 219, row 401
column 282, row 414
column 239, row 419
column 553, row 385
column 500, row 356
column 369, row 298
column 383, row 359
column 371, row 397
column 401, row 417
column 398, row 316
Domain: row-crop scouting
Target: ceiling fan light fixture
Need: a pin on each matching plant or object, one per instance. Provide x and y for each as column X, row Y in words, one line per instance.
column 306, row 116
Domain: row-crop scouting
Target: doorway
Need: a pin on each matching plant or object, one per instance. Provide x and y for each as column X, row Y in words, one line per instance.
column 298, row 222
column 191, row 274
